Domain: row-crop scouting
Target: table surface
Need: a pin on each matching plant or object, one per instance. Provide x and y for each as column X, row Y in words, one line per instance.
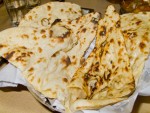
column 19, row 100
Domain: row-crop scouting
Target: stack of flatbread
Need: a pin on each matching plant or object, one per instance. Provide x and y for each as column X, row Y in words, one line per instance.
column 49, row 47
column 106, row 76
column 48, row 56
column 112, row 70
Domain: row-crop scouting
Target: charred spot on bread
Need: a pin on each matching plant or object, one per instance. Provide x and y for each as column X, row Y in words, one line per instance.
column 2, row 46
column 48, row 8
column 56, row 21
column 94, row 20
column 103, row 31
column 9, row 55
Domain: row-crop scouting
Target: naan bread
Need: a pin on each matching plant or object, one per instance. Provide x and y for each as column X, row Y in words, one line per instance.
column 20, row 44
column 49, row 13
column 106, row 73
column 85, row 30
column 94, row 103
column 136, row 31
column 46, row 57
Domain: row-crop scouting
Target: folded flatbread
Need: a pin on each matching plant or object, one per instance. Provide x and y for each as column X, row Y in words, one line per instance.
column 45, row 56
column 106, row 74
column 50, row 13
column 136, row 31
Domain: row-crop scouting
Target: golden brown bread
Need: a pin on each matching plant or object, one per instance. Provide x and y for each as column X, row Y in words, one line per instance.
column 106, row 74
column 136, row 31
